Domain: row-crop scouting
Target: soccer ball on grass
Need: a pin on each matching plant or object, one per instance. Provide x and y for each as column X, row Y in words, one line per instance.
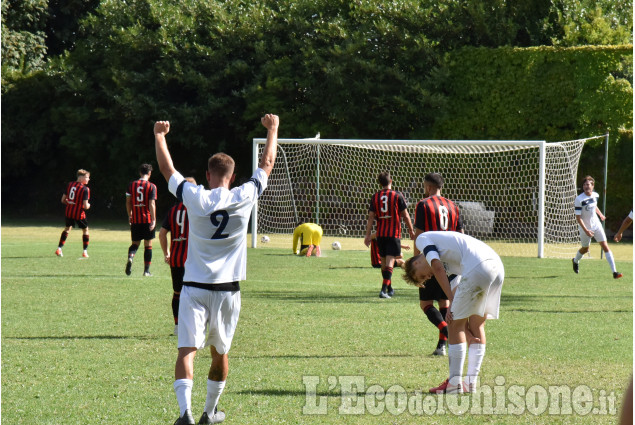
column 264, row 239
column 336, row 245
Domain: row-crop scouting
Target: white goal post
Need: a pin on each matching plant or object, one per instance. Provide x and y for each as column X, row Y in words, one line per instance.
column 512, row 192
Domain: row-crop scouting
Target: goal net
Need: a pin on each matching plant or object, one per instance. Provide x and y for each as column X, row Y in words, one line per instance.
column 518, row 194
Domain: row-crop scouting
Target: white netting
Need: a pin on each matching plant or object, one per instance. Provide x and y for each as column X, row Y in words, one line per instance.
column 495, row 185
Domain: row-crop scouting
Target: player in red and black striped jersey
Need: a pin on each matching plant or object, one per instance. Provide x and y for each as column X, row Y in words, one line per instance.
column 176, row 223
column 76, row 198
column 435, row 213
column 375, row 258
column 387, row 208
column 140, row 205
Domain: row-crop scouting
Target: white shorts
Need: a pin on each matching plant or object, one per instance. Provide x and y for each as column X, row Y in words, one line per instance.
column 598, row 235
column 208, row 318
column 479, row 291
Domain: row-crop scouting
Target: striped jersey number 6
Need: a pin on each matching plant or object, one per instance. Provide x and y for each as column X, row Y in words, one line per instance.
column 71, row 193
column 220, row 225
column 443, row 217
column 384, row 204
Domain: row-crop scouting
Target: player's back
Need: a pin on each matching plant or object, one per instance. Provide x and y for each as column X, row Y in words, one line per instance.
column 141, row 193
column 76, row 194
column 178, row 226
column 387, row 205
column 436, row 213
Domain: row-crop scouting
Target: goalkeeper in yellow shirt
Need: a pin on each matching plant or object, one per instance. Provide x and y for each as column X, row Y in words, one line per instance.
column 309, row 235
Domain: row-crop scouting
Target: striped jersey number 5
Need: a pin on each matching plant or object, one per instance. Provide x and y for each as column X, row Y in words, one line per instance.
column 443, row 217
column 219, row 224
column 384, row 204
column 140, row 194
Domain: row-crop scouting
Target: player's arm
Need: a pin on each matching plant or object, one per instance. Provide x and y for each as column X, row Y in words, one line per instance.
column 86, row 204
column 129, row 207
column 599, row 213
column 64, row 199
column 416, row 251
column 166, row 166
column 627, row 222
column 442, row 278
column 369, row 227
column 588, row 232
column 296, row 236
column 406, row 217
column 268, row 158
column 153, row 213
column 163, row 240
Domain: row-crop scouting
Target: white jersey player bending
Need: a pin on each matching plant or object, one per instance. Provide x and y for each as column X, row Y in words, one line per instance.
column 586, row 214
column 474, row 297
column 216, row 261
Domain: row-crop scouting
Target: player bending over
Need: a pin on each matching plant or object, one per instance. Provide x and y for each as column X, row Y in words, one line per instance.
column 473, row 299
column 310, row 236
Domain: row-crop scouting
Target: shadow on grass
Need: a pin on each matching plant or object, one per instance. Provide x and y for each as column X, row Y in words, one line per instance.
column 71, row 337
column 324, row 356
column 328, row 298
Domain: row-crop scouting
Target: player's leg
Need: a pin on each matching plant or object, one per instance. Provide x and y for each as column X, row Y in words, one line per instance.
column 147, row 257
column 183, row 382
column 135, row 236
column 600, row 236
column 177, row 285
column 427, row 296
column 585, row 241
column 83, row 224
column 386, row 275
column 215, row 385
column 476, row 351
column 457, row 350
column 69, row 225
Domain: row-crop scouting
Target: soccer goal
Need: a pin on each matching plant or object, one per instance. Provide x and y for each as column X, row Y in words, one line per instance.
column 516, row 193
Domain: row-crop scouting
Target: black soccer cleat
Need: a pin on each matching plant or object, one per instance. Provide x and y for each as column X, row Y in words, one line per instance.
column 391, row 292
column 129, row 266
column 186, row 419
column 617, row 275
column 576, row 266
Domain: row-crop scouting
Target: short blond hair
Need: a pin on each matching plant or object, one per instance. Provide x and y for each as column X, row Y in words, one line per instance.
column 81, row 173
column 221, row 165
column 409, row 272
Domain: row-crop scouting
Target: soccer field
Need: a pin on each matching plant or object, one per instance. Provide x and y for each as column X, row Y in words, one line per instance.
column 83, row 343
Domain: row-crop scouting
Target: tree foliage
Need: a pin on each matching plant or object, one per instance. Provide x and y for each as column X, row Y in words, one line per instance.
column 105, row 70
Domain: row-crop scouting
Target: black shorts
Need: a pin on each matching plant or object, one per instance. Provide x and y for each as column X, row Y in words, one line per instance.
column 141, row 232
column 433, row 291
column 177, row 278
column 82, row 223
column 388, row 246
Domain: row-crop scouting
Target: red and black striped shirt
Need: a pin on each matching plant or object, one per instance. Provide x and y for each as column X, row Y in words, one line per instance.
column 375, row 258
column 177, row 224
column 387, row 204
column 437, row 213
column 76, row 194
column 142, row 192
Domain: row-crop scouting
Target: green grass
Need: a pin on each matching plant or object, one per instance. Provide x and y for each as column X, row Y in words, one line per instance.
column 83, row 343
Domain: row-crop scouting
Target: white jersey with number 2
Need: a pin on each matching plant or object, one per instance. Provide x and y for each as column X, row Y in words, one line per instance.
column 217, row 246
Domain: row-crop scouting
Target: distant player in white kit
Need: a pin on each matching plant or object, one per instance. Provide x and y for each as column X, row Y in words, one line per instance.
column 474, row 298
column 586, row 214
column 216, row 261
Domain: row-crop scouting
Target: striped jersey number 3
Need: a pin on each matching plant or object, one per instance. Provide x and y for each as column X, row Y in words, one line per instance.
column 384, row 204
column 219, row 220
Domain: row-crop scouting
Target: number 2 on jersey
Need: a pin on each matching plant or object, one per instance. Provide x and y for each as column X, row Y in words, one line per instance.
column 220, row 225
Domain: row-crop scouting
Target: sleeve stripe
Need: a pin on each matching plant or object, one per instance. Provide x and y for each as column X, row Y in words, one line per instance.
column 430, row 248
column 578, row 208
column 179, row 191
column 258, row 185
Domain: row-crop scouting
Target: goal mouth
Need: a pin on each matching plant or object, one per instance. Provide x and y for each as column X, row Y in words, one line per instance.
column 516, row 193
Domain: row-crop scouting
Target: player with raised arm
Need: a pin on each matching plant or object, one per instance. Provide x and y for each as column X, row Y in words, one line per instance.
column 625, row 223
column 586, row 214
column 141, row 208
column 309, row 235
column 176, row 224
column 435, row 213
column 388, row 208
column 216, row 263
column 473, row 299
column 76, row 198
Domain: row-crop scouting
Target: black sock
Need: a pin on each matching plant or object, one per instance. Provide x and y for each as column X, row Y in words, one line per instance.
column 132, row 250
column 147, row 258
column 175, row 307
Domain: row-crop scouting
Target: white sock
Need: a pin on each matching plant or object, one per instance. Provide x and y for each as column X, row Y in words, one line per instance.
column 474, row 360
column 456, row 357
column 214, row 390
column 578, row 257
column 611, row 260
column 183, row 390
